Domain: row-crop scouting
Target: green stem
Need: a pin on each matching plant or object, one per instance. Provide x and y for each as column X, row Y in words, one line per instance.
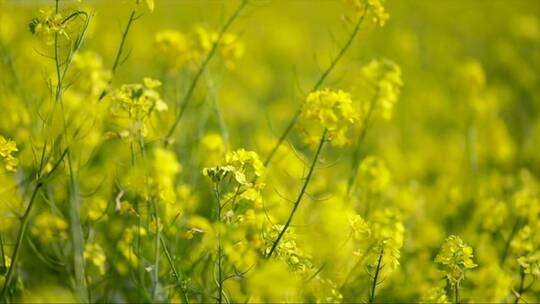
column 506, row 249
column 24, row 222
column 191, row 89
column 74, row 210
column 20, row 237
column 156, row 249
column 175, row 272
column 357, row 152
column 376, row 277
column 317, row 85
column 521, row 287
column 301, row 195
column 77, row 233
column 120, row 49
column 220, row 272
column 456, row 294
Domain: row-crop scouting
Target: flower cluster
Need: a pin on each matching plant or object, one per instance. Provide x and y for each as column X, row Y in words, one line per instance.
column 384, row 77
column 374, row 10
column 333, row 111
column 4, row 266
column 471, row 78
column 179, row 49
column 94, row 254
column 7, row 148
column 92, row 77
column 135, row 103
column 435, row 295
column 49, row 227
column 174, row 47
column 288, row 249
column 455, row 258
column 127, row 248
column 387, row 232
column 359, row 227
column 373, row 175
column 230, row 49
column 242, row 165
column 49, row 24
column 212, row 149
column 153, row 181
column 526, row 245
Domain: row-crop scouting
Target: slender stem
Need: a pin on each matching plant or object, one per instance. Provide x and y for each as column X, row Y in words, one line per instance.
column 24, row 223
column 506, row 250
column 175, row 272
column 74, row 210
column 281, row 139
column 220, row 272
column 20, row 237
column 120, row 49
column 77, row 233
column 191, row 89
column 376, row 277
column 301, row 195
column 356, row 153
column 456, row 294
column 156, row 249
column 356, row 265
column 317, row 85
column 3, row 266
column 521, row 287
column 123, row 42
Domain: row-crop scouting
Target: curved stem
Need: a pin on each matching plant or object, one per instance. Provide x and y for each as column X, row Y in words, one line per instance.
column 376, row 277
column 187, row 98
column 219, row 251
column 175, row 272
column 507, row 248
column 301, row 195
column 521, row 287
column 123, row 42
column 120, row 50
column 317, row 85
column 356, row 153
column 157, row 254
column 20, row 237
column 456, row 294
column 24, row 222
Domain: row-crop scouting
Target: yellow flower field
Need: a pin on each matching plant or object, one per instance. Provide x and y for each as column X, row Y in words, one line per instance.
column 269, row 151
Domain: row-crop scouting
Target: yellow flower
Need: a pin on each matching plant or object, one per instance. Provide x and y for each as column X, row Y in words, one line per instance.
column 135, row 103
column 212, row 148
column 360, row 228
column 230, row 48
column 374, row 10
column 374, row 176
column 49, row 227
column 96, row 256
column 92, row 78
column 332, row 110
column 7, row 148
column 174, row 47
column 245, row 161
column 384, row 76
column 243, row 165
column 471, row 77
column 455, row 257
column 47, row 25
column 166, row 167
